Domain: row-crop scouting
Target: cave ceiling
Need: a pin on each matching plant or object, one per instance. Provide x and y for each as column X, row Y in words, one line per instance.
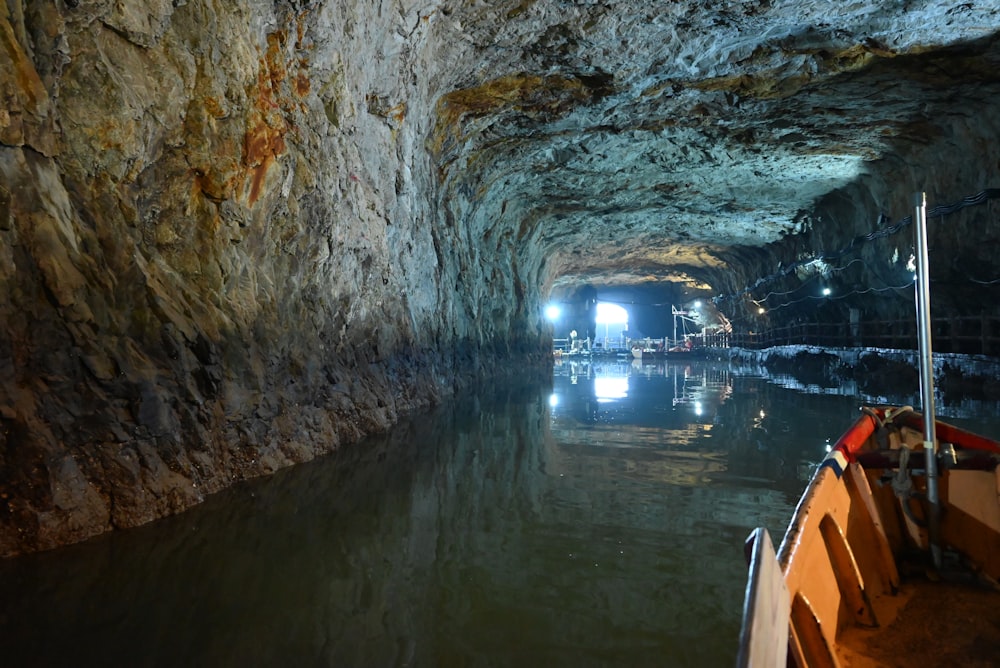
column 235, row 236
column 646, row 142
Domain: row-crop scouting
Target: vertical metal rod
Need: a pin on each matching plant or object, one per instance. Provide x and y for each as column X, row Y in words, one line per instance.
column 927, row 376
column 673, row 311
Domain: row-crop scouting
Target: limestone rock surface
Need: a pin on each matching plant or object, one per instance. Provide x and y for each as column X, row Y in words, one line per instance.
column 234, row 235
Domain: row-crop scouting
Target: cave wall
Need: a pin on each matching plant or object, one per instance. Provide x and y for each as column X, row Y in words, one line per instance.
column 223, row 250
column 236, row 235
column 945, row 151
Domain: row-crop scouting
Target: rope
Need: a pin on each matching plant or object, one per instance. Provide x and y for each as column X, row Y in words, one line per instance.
column 902, row 483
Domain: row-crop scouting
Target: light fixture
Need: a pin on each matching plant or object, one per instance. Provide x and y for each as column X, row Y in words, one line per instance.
column 826, row 292
column 610, row 314
column 552, row 312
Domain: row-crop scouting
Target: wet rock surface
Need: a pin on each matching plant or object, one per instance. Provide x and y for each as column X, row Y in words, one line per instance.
column 236, row 235
column 879, row 375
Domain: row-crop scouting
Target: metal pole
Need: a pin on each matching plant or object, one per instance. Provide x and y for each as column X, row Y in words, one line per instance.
column 927, row 377
column 673, row 311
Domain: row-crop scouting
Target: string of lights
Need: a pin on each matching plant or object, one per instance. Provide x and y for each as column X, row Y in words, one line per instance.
column 806, row 282
column 749, row 320
column 937, row 211
column 827, row 297
column 906, row 286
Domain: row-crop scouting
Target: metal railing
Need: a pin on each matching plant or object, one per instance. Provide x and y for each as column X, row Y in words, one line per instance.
column 971, row 335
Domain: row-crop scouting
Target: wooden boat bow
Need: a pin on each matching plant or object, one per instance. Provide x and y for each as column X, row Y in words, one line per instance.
column 859, row 523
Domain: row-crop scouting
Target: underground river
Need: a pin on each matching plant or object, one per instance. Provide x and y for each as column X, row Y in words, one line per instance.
column 597, row 520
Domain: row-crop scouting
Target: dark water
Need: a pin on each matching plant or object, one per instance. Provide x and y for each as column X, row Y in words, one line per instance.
column 596, row 521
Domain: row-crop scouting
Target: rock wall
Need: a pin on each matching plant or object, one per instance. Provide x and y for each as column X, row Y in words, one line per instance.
column 937, row 133
column 223, row 250
column 234, row 235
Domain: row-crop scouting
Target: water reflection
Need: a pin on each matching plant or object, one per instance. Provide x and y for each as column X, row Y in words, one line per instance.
column 596, row 520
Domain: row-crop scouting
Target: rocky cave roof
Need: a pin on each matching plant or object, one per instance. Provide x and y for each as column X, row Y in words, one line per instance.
column 653, row 141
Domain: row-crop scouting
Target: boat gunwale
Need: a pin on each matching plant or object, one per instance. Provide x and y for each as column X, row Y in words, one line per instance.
column 842, row 471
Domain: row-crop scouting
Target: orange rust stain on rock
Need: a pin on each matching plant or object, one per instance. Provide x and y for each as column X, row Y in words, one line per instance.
column 397, row 113
column 282, row 82
column 264, row 139
column 302, row 46
column 29, row 85
column 528, row 95
column 300, row 28
column 262, row 144
column 302, row 84
column 275, row 63
column 214, row 107
column 218, row 181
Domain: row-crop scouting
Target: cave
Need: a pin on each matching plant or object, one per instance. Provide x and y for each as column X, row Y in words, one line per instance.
column 236, row 236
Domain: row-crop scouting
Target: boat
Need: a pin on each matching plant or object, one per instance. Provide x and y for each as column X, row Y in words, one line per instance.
column 641, row 352
column 657, row 349
column 892, row 555
column 685, row 350
column 856, row 554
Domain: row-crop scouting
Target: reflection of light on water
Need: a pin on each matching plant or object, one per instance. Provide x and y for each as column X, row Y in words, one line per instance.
column 697, row 408
column 607, row 389
column 553, row 400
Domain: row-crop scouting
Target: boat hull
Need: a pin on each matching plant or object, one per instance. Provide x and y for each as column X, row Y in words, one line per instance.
column 862, row 515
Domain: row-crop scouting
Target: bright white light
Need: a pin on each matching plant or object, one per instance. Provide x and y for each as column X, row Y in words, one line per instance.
column 697, row 408
column 611, row 314
column 610, row 388
column 697, row 304
column 826, row 292
column 553, row 400
column 552, row 312
column 761, row 310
